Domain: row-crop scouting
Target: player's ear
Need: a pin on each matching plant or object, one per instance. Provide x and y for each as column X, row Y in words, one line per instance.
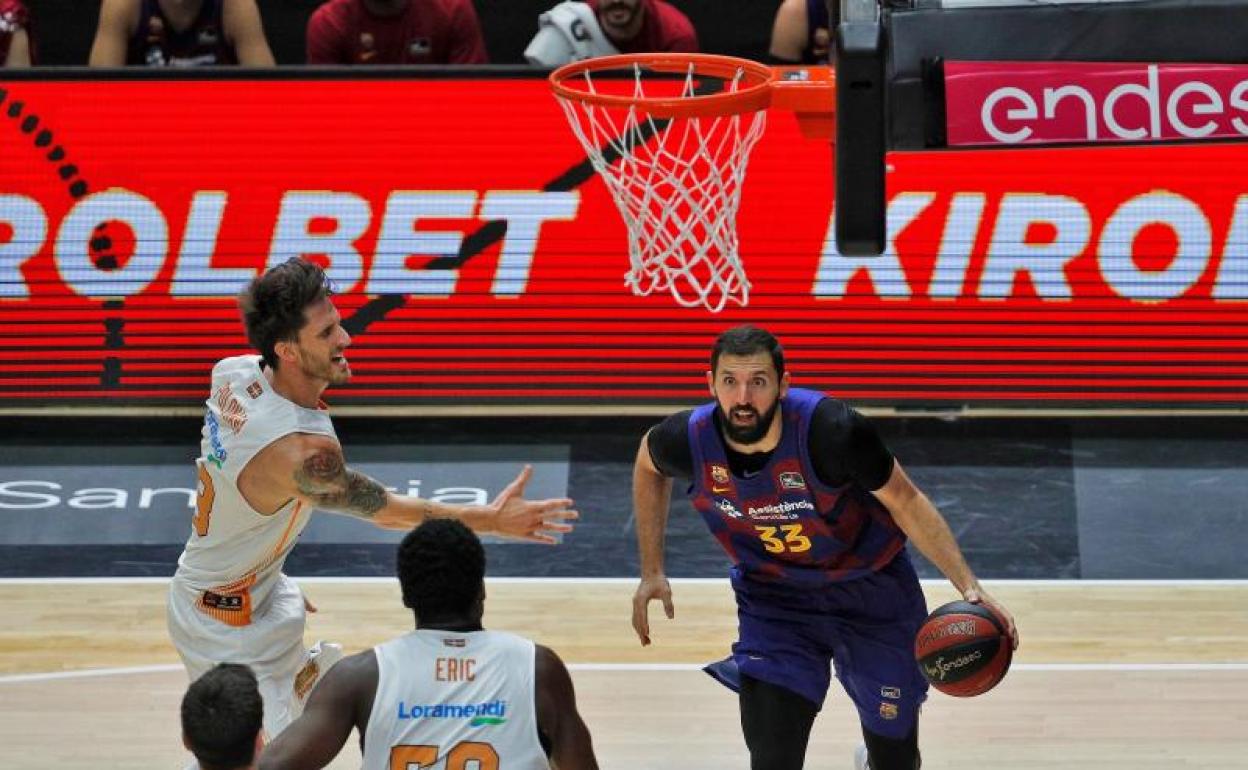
column 186, row 744
column 710, row 382
column 784, row 384
column 285, row 350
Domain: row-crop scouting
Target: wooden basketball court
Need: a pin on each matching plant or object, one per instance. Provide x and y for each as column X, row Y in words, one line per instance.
column 1122, row 675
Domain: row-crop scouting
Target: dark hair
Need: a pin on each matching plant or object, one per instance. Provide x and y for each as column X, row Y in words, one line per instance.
column 441, row 567
column 273, row 304
column 746, row 340
column 222, row 713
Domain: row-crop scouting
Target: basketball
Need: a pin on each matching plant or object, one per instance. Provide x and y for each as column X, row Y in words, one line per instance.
column 963, row 649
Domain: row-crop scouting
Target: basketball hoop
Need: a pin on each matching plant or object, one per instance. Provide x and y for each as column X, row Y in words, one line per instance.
column 671, row 136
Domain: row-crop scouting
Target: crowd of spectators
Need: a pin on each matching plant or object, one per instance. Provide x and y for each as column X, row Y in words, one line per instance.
column 190, row 33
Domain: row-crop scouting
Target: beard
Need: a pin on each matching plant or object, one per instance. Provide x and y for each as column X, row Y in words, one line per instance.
column 748, row 434
column 606, row 9
column 325, row 369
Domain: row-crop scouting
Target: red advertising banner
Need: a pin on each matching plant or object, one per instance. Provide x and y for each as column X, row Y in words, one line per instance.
column 480, row 261
column 1053, row 102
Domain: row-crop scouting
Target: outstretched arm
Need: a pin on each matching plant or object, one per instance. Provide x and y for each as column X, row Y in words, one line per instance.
column 341, row 701
column 319, row 475
column 930, row 533
column 652, row 494
column 570, row 745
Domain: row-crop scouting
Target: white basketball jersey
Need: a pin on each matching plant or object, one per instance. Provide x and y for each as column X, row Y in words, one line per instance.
column 235, row 553
column 450, row 701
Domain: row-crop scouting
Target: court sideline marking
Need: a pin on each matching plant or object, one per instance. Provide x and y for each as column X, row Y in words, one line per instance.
column 1064, row 582
column 644, row 667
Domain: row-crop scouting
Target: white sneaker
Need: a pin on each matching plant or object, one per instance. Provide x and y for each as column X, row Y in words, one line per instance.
column 860, row 758
column 321, row 657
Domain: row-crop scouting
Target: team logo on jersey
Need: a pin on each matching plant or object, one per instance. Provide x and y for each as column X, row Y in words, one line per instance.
column 155, row 29
column 228, row 602
column 367, row 45
column 420, row 47
column 306, row 678
column 784, row 510
column 219, row 454
column 232, row 411
column 792, row 480
column 478, row 714
column 888, row 710
column 720, row 480
column 254, row 389
column 726, row 507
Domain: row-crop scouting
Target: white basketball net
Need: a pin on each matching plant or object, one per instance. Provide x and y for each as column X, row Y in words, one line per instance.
column 677, row 183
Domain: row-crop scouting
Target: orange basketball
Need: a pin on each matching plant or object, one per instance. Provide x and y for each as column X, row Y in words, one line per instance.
column 963, row 649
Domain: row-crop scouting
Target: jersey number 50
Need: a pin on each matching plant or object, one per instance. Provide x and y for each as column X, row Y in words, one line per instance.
column 468, row 755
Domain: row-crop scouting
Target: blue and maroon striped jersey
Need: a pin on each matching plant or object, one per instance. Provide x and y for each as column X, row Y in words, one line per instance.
column 782, row 524
column 157, row 44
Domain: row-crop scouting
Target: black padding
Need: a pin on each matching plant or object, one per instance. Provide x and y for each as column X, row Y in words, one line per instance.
column 893, row 753
column 776, row 723
column 860, row 137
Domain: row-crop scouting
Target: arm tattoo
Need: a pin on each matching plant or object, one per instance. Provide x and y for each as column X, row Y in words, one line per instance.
column 326, row 480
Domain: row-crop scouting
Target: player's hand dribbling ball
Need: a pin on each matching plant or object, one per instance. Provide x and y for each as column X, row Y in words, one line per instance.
column 963, row 649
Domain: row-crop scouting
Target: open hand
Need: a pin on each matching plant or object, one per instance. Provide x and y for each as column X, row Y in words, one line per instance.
column 536, row 521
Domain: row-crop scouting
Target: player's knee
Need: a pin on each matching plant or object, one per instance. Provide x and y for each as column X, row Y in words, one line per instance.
column 893, row 753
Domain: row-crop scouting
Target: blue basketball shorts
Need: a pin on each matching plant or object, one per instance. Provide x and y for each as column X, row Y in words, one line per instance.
column 792, row 637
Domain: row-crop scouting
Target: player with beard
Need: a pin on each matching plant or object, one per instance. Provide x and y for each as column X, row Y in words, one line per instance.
column 814, row 511
column 269, row 456
column 645, row 26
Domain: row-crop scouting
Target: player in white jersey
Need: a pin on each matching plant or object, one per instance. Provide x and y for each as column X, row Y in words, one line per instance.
column 269, row 457
column 449, row 695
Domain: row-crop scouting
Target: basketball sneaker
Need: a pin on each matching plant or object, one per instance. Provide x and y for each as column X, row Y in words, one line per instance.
column 861, row 762
column 321, row 657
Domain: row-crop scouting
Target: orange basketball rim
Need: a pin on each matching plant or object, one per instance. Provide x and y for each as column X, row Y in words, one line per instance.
column 671, row 135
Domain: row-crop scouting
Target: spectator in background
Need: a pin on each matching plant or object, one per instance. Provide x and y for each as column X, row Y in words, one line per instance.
column 802, row 33
column 180, row 33
column 16, row 49
column 572, row 31
column 221, row 718
column 395, row 32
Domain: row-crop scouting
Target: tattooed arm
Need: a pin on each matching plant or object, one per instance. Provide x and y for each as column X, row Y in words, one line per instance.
column 324, row 480
column 319, row 475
